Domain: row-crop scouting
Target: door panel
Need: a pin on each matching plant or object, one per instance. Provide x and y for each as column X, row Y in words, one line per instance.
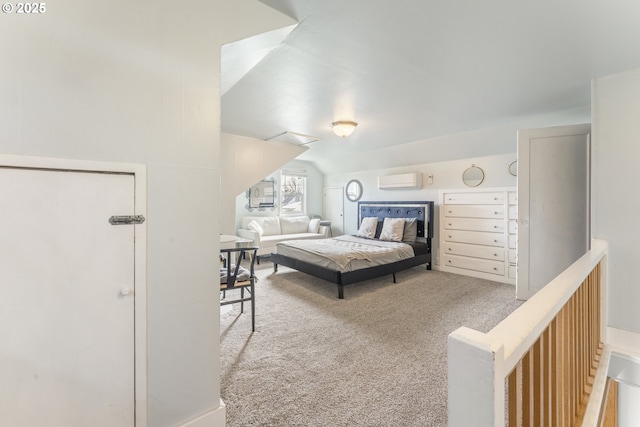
column 334, row 209
column 554, row 203
column 66, row 299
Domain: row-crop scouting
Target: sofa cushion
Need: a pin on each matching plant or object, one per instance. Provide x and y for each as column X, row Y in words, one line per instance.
column 294, row 224
column 270, row 225
column 314, row 224
column 253, row 225
column 247, row 219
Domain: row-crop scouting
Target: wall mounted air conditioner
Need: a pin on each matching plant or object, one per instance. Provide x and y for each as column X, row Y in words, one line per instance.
column 405, row 180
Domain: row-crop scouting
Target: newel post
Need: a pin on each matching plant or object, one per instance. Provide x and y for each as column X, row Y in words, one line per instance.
column 476, row 392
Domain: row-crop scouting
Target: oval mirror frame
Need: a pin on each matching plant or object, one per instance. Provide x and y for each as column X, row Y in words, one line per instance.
column 473, row 176
column 513, row 168
column 353, row 190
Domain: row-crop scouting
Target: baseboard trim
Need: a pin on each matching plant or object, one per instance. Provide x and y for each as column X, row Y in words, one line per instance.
column 214, row 418
column 623, row 340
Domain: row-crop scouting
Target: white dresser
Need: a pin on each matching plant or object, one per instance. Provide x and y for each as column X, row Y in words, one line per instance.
column 478, row 233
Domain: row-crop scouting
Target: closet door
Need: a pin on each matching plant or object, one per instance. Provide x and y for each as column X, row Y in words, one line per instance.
column 66, row 299
column 334, row 209
column 553, row 203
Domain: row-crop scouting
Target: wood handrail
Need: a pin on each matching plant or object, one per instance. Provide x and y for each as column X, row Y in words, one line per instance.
column 552, row 383
column 544, row 356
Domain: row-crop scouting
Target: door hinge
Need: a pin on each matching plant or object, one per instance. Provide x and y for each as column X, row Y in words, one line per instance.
column 126, row 220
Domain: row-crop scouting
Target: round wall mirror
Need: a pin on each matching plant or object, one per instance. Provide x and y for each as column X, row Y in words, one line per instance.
column 353, row 190
column 473, row 176
column 513, row 168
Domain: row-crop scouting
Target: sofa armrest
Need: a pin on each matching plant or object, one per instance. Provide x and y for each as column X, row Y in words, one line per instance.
column 249, row 234
column 324, row 230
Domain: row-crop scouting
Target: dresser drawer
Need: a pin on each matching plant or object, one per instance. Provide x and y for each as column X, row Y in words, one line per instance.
column 513, row 198
column 513, row 212
column 474, row 237
column 513, row 226
column 492, row 198
column 473, row 224
column 473, row 211
column 513, row 256
column 513, row 272
column 513, row 241
column 476, row 264
column 476, row 251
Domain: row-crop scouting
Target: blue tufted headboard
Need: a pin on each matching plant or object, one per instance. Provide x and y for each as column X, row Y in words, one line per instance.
column 423, row 211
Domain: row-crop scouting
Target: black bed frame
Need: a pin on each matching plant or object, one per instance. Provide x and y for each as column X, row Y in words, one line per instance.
column 422, row 210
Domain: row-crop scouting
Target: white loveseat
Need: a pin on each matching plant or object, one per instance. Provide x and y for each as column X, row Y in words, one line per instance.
column 267, row 231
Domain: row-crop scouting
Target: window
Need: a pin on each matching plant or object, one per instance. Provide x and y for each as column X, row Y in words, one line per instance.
column 292, row 192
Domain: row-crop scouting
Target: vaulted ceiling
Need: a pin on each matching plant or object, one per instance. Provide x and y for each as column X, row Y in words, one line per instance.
column 409, row 70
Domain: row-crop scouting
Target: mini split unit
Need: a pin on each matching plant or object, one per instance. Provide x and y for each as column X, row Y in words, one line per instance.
column 405, row 180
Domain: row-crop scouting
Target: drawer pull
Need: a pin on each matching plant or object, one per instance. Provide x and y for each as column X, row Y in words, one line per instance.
column 495, row 241
column 449, row 261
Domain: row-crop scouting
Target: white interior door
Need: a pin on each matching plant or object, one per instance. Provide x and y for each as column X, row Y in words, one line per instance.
column 66, row 299
column 334, row 209
column 553, row 203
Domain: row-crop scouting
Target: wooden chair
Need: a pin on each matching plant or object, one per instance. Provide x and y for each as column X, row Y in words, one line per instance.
column 234, row 276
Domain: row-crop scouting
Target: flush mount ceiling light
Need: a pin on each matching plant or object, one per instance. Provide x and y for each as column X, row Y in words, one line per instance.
column 343, row 128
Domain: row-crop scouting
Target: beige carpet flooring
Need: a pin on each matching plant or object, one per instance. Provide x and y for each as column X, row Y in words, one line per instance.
column 376, row 358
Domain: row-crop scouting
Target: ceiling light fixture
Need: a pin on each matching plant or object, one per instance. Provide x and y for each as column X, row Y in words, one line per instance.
column 343, row 128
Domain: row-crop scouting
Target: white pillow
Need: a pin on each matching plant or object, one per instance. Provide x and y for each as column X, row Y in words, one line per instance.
column 368, row 227
column 314, row 224
column 253, row 225
column 294, row 224
column 271, row 225
column 392, row 229
column 410, row 230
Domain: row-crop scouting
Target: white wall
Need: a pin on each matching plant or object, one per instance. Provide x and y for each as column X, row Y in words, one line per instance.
column 616, row 152
column 138, row 82
column 628, row 408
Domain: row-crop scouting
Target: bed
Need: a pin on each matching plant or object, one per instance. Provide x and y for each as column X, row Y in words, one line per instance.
column 357, row 258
